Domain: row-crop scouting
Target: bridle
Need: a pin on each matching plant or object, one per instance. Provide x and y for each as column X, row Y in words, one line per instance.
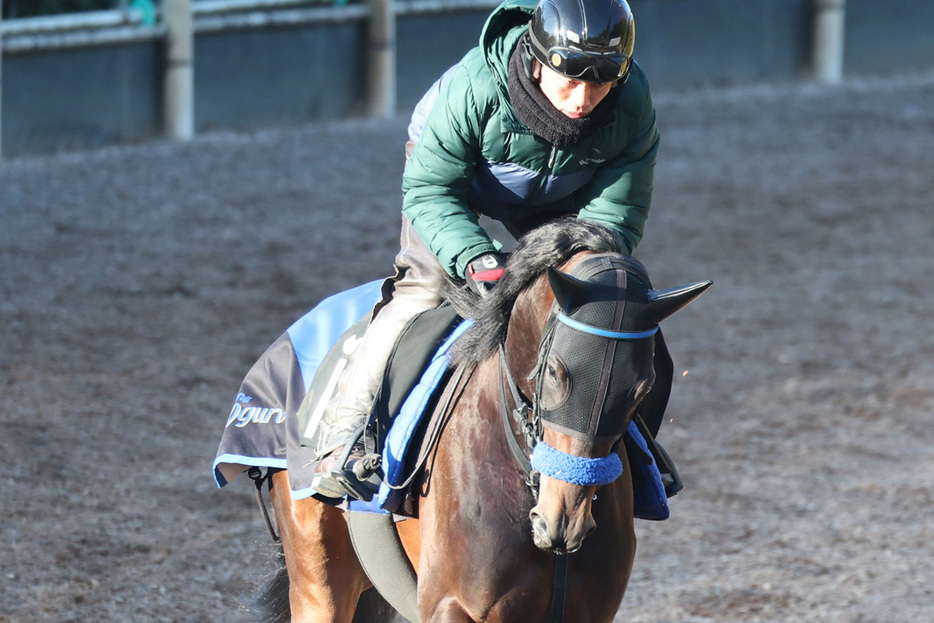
column 534, row 455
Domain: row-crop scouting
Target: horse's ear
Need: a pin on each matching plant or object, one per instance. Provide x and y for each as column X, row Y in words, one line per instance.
column 570, row 292
column 664, row 303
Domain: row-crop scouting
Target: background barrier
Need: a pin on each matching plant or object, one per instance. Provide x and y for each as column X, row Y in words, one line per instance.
column 93, row 79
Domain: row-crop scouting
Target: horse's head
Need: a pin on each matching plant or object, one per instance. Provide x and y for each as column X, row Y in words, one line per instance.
column 581, row 343
column 594, row 367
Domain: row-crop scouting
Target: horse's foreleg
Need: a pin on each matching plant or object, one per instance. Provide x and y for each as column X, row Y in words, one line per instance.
column 325, row 578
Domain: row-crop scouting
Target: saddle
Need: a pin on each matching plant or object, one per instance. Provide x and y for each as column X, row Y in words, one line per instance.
column 413, row 354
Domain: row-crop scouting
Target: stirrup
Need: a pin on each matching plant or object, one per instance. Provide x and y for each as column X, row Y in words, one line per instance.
column 669, row 473
column 361, row 479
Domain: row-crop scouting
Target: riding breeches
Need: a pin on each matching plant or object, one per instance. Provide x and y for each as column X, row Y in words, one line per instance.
column 415, row 288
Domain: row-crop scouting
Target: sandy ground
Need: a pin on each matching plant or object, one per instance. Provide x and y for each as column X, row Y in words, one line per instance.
column 138, row 284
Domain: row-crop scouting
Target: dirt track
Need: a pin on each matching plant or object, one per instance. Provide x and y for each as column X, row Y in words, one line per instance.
column 137, row 286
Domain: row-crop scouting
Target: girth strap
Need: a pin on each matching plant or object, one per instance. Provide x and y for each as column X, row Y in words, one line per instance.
column 258, row 478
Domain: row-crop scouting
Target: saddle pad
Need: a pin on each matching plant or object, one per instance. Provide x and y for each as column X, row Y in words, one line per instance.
column 649, row 500
column 406, row 423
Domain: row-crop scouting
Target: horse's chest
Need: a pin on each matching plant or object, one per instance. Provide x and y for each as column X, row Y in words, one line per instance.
column 490, row 597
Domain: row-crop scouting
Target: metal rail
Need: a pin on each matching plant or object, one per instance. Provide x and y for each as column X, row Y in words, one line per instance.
column 74, row 21
column 208, row 15
column 127, row 26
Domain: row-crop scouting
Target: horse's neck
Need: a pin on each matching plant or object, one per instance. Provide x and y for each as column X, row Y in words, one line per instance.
column 476, row 436
column 485, row 383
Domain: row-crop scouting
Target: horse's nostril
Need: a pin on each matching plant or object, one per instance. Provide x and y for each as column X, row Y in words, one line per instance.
column 539, row 531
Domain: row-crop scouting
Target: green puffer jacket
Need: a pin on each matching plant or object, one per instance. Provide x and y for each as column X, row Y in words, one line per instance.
column 473, row 154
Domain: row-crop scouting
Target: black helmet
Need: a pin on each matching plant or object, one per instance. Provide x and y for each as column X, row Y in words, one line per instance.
column 588, row 40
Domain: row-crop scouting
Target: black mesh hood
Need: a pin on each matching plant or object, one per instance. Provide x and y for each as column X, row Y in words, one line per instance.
column 604, row 372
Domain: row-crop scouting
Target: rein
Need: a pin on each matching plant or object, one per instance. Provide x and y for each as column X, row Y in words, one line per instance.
column 452, row 389
column 531, row 427
column 532, row 437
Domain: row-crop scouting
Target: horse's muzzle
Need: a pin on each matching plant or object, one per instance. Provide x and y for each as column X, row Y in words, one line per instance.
column 563, row 517
column 553, row 539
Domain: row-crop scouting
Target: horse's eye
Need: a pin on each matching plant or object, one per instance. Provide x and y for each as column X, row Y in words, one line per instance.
column 557, row 388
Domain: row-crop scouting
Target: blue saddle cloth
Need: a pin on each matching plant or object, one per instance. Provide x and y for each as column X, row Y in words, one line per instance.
column 262, row 428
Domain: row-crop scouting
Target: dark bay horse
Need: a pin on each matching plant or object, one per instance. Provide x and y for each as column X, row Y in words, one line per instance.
column 567, row 340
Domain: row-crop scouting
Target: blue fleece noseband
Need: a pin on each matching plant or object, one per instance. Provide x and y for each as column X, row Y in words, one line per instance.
column 575, row 469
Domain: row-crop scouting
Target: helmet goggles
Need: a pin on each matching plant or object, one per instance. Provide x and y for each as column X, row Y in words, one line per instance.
column 588, row 66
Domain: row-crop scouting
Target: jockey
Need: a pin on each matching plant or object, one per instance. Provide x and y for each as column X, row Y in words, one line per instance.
column 548, row 116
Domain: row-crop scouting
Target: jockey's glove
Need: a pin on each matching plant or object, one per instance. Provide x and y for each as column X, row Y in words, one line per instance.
column 484, row 271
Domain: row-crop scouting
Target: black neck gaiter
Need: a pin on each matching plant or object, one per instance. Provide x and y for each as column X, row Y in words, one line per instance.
column 535, row 111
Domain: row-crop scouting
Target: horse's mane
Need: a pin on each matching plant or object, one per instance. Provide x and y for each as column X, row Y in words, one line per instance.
column 551, row 244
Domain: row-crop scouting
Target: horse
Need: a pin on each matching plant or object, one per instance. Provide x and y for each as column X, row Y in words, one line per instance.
column 565, row 341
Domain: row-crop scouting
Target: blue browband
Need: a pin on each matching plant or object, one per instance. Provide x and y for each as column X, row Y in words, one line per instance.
column 613, row 335
column 575, row 469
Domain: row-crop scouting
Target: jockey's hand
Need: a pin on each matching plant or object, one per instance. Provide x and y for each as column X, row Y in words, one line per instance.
column 484, row 271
